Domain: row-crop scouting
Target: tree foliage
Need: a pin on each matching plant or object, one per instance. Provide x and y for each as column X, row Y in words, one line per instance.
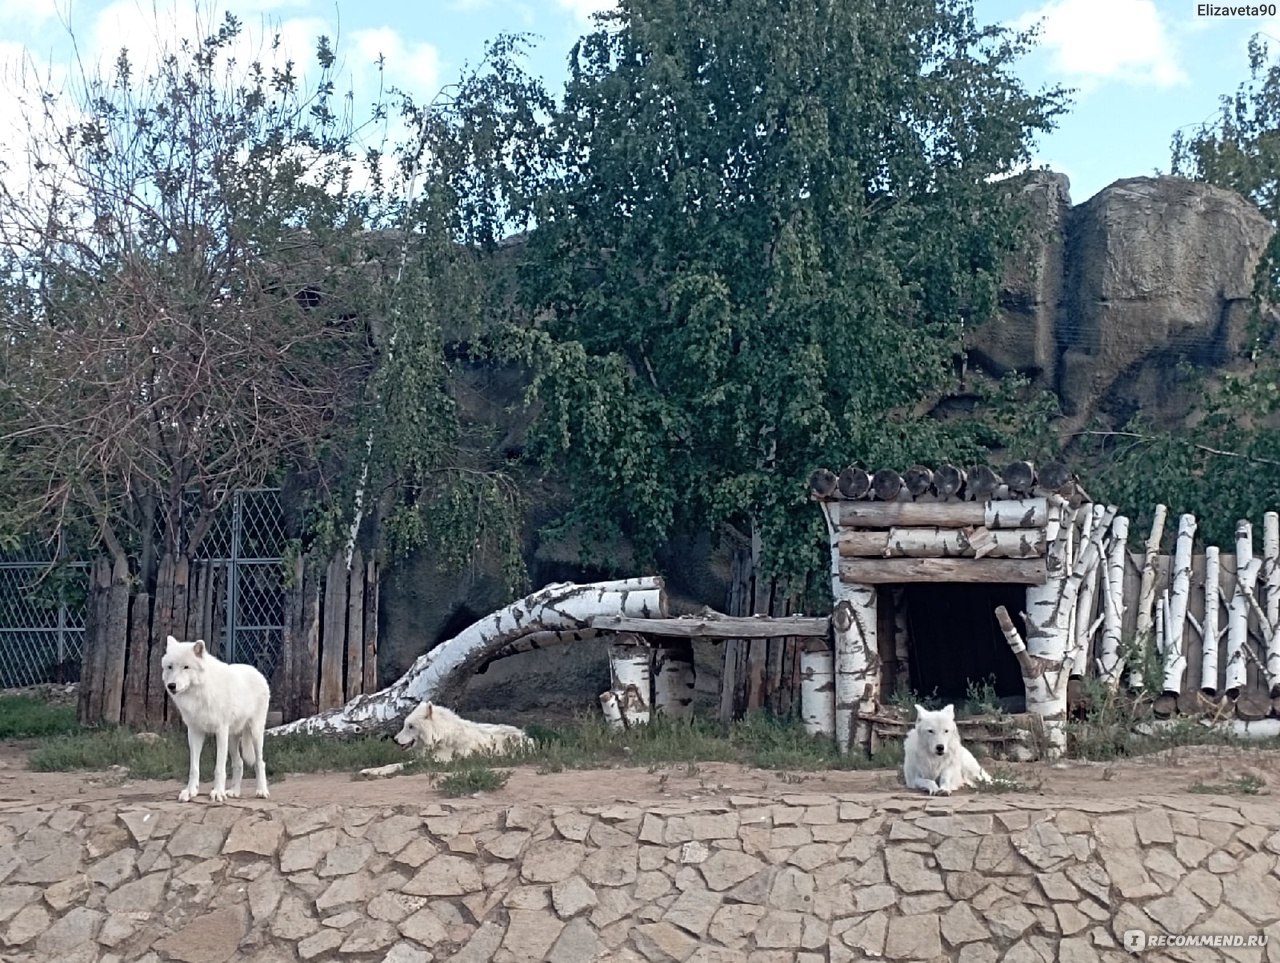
column 769, row 225
column 215, row 277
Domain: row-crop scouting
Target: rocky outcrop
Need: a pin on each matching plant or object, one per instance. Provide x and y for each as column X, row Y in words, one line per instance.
column 1116, row 292
column 814, row 878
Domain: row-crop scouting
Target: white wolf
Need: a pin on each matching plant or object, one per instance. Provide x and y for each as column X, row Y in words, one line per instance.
column 934, row 759
column 228, row 700
column 435, row 729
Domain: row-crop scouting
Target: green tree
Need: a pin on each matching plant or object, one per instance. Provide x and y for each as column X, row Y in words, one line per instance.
column 771, row 223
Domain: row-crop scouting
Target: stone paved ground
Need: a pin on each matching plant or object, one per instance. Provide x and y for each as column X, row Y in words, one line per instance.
column 788, row 876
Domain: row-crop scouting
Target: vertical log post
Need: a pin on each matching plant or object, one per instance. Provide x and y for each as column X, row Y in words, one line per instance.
column 817, row 688
column 371, row 625
column 1209, row 625
column 333, row 635
column 630, row 665
column 1237, row 675
column 1174, row 652
column 134, row 712
column 355, row 626
column 1146, row 597
column 309, row 648
column 1109, row 660
column 673, row 679
column 117, row 642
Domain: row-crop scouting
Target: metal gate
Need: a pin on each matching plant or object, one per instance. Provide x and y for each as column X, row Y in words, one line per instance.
column 42, row 613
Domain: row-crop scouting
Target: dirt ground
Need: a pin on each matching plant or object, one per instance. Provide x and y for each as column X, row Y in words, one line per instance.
column 1169, row 773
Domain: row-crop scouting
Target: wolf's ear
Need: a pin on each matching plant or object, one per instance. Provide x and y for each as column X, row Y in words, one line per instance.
column 427, row 712
column 171, row 642
column 198, row 648
column 919, row 711
column 949, row 711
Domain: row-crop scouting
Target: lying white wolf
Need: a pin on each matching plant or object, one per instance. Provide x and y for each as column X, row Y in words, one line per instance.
column 445, row 734
column 227, row 700
column 934, row 760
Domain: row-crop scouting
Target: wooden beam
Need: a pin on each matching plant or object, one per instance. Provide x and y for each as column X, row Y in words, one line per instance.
column 720, row 627
column 943, row 543
column 1006, row 513
column 894, row 571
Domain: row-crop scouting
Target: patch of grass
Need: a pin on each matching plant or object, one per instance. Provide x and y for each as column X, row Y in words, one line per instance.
column 1117, row 726
column 473, row 779
column 1246, row 785
column 166, row 757
column 981, row 699
column 760, row 740
column 27, row 717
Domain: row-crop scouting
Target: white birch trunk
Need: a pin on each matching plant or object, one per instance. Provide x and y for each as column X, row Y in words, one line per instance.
column 857, row 668
column 817, row 690
column 1271, row 578
column 1042, row 698
column 1258, row 729
column 1209, row 625
column 943, row 543
column 1236, row 671
column 560, row 606
column 1109, row 663
column 674, row 680
column 1270, row 573
column 856, row 658
column 1084, row 627
column 1175, row 661
column 612, row 711
column 1044, row 640
column 631, row 665
column 1146, row 595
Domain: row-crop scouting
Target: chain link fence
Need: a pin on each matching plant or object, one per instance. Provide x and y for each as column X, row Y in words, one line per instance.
column 42, row 607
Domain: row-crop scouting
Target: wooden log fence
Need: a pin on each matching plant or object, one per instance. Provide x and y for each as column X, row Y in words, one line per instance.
column 329, row 649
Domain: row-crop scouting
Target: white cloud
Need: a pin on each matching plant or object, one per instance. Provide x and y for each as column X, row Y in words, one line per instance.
column 1096, row 41
column 30, row 13
column 414, row 67
column 585, row 9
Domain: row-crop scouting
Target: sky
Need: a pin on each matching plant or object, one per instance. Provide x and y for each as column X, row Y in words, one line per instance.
column 1140, row 69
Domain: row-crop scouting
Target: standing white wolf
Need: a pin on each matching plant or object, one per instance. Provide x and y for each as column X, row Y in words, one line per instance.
column 228, row 700
column 445, row 734
column 934, row 760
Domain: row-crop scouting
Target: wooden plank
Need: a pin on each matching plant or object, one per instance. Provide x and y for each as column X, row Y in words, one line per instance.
column 370, row 633
column 92, row 652
column 308, row 690
column 718, row 626
column 134, row 710
column 729, row 658
column 181, row 589
column 333, row 635
column 161, row 626
column 355, row 627
column 943, row 543
column 895, row 571
column 290, row 641
column 1007, row 513
column 757, row 649
column 117, row 641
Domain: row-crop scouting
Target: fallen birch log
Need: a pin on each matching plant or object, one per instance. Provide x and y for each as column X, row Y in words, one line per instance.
column 563, row 605
column 936, row 542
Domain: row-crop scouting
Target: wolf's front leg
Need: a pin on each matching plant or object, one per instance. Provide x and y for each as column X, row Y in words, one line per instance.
column 219, row 791
column 195, row 745
column 928, row 785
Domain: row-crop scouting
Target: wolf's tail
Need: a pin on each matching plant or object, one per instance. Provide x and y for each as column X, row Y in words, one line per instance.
column 247, row 751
